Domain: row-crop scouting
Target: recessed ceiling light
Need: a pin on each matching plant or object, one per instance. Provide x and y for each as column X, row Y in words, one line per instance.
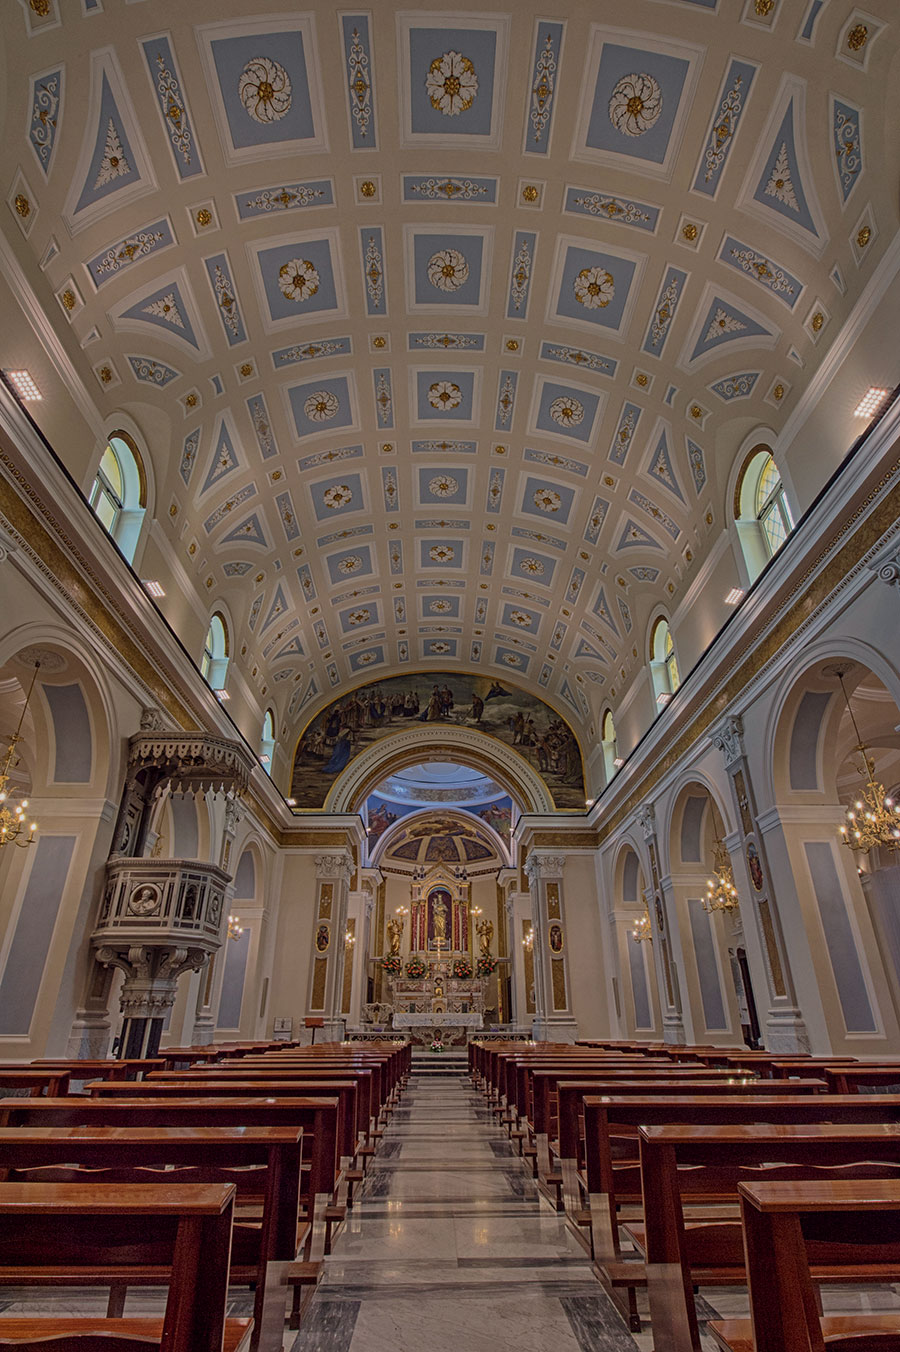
column 154, row 588
column 871, row 402
column 663, row 697
column 619, row 762
column 25, row 387
column 291, row 802
column 264, row 759
column 589, row 802
column 223, row 695
column 736, row 594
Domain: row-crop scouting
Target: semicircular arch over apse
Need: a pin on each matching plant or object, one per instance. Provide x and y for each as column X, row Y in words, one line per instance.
column 505, row 732
column 459, row 377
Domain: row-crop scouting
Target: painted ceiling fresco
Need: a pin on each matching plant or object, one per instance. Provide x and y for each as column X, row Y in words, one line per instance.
column 357, row 720
column 453, row 316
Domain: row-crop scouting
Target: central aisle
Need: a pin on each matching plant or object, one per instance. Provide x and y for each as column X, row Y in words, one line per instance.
column 450, row 1247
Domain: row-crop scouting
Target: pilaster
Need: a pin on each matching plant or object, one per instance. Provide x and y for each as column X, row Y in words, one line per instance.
column 782, row 1025
column 554, row 1020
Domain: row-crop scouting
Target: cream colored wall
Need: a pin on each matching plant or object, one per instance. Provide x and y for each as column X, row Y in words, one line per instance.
column 293, row 929
column 584, row 940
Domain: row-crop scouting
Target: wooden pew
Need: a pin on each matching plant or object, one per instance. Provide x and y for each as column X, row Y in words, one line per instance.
column 181, row 1233
column 132, row 1069
column 578, row 1171
column 322, row 1135
column 787, row 1226
column 864, row 1078
column 15, row 1075
column 613, row 1170
column 262, row 1162
column 713, row 1160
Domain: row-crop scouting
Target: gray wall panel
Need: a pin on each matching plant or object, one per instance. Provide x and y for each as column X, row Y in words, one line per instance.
column 72, row 733
column 27, row 958
column 839, row 938
column 707, row 968
column 233, row 981
column 639, row 990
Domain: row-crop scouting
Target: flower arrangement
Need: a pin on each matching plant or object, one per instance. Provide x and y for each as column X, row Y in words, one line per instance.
column 416, row 967
column 486, row 966
column 437, row 1046
column 392, row 965
column 461, row 969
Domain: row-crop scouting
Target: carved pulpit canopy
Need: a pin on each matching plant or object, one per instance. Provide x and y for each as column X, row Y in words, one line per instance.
column 192, row 763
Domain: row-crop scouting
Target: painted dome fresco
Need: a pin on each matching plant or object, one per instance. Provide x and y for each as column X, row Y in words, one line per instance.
column 445, row 324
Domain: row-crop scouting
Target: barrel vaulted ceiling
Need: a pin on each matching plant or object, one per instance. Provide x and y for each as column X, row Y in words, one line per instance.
column 457, row 316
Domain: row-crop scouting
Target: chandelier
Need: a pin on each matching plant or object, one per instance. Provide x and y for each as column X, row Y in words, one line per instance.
column 12, row 814
column 235, row 928
column 528, row 940
column 873, row 818
column 721, row 893
column 643, row 930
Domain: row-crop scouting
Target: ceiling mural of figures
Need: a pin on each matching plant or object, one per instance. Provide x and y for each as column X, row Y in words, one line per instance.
column 367, row 715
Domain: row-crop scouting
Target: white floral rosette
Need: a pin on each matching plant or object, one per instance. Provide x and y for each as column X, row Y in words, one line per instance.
column 635, row 104
column 451, row 83
column 594, row 288
column 298, row 279
column 567, row 411
column 265, row 90
column 444, row 394
column 321, row 406
column 448, row 269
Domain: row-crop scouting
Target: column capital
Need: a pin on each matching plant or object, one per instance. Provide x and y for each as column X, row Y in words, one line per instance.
column 729, row 738
column 647, row 820
column 886, row 566
column 539, row 865
column 338, row 865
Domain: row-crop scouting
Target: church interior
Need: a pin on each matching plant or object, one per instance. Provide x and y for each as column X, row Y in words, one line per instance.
column 450, row 848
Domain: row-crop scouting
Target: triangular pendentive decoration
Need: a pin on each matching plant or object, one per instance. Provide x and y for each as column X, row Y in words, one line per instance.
column 225, row 457
column 634, row 536
column 249, row 532
column 661, row 469
column 780, row 186
column 113, row 167
column 278, row 607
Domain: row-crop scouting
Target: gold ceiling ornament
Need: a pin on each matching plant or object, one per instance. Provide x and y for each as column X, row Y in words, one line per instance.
column 642, row 930
column 863, row 235
column 13, row 816
column 689, row 231
column 857, row 37
column 873, row 819
column 235, row 928
column 530, row 192
column 203, row 217
column 40, row 7
column 817, row 321
column 22, row 205
column 721, row 893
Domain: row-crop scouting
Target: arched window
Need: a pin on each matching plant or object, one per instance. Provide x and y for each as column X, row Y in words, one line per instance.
column 214, row 662
column 762, row 514
column 118, row 494
column 610, row 747
column 663, row 662
column 267, row 742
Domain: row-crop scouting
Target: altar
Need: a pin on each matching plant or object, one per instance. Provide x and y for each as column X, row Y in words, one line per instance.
column 408, row 1021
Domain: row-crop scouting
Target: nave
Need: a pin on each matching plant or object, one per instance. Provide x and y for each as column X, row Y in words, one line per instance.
column 451, row 1246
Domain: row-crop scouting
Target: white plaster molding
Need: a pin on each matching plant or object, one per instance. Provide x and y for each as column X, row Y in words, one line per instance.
column 540, row 866
column 338, row 865
column 415, row 744
column 871, row 297
column 34, row 311
column 701, row 579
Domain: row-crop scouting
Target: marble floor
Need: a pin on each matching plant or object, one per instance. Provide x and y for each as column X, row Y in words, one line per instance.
column 450, row 1247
